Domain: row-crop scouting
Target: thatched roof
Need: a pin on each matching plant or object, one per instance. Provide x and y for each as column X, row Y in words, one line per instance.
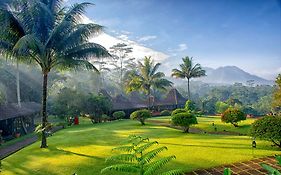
column 120, row 102
column 173, row 98
column 12, row 110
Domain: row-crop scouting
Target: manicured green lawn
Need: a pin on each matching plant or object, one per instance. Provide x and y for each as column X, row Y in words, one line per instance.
column 83, row 149
column 206, row 123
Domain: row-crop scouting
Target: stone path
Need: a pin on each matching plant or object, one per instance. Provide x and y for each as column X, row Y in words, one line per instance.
column 251, row 167
column 6, row 151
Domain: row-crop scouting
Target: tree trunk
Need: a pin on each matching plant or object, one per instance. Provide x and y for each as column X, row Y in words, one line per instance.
column 18, row 85
column 188, row 90
column 186, row 129
column 44, row 111
column 149, row 103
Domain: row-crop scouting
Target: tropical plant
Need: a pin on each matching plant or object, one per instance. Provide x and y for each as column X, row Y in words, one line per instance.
column 188, row 70
column 221, row 107
column 189, row 105
column 185, row 120
column 179, row 110
column 141, row 115
column 276, row 103
column 233, row 116
column 146, row 77
column 227, row 171
column 271, row 170
column 268, row 128
column 55, row 38
column 119, row 114
column 140, row 158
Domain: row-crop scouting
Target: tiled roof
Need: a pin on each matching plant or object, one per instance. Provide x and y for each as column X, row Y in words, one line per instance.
column 12, row 110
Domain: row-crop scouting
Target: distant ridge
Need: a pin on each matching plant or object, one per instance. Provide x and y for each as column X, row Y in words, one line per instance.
column 227, row 75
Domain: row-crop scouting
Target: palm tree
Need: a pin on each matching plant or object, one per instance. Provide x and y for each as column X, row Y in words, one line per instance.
column 146, row 77
column 188, row 70
column 55, row 38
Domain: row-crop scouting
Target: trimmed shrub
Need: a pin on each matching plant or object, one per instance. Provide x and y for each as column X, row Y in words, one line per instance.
column 233, row 116
column 141, row 115
column 119, row 115
column 179, row 110
column 268, row 128
column 185, row 120
column 189, row 105
column 165, row 113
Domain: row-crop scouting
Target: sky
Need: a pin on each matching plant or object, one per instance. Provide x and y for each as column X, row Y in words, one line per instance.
column 242, row 33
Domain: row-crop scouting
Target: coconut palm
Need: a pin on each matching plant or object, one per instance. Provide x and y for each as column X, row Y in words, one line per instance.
column 188, row 70
column 146, row 77
column 55, row 38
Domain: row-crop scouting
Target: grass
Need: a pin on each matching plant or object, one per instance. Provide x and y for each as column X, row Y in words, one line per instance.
column 84, row 148
column 206, row 123
column 15, row 140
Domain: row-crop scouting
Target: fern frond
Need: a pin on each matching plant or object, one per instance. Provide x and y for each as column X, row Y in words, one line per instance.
column 145, row 146
column 173, row 172
column 124, row 148
column 152, row 154
column 270, row 169
column 129, row 168
column 154, row 166
column 122, row 157
column 278, row 158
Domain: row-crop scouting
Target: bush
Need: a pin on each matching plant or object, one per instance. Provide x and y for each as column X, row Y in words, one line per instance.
column 184, row 120
column 141, row 115
column 105, row 117
column 119, row 114
column 233, row 116
column 268, row 128
column 165, row 113
column 177, row 111
column 189, row 105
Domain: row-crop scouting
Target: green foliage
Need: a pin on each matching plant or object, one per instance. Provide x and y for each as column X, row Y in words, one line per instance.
column 221, row 107
column 227, row 171
column 95, row 106
column 185, row 120
column 177, row 111
column 189, row 105
column 141, row 115
column 119, row 115
column 105, row 117
column 165, row 113
column 146, row 77
column 271, row 170
column 140, row 157
column 268, row 128
column 233, row 116
column 276, row 103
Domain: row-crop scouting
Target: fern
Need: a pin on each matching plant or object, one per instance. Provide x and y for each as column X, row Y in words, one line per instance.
column 138, row 159
column 278, row 158
column 271, row 170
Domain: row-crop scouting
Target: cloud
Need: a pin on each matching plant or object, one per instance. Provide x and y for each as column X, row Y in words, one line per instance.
column 139, row 51
column 182, row 47
column 146, row 38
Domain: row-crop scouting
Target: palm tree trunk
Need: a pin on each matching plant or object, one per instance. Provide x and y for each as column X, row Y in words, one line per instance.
column 148, row 100
column 188, row 90
column 18, row 85
column 44, row 111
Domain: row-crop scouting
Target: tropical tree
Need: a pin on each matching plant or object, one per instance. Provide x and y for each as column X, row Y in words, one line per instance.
column 277, row 94
column 54, row 38
column 146, row 77
column 188, row 70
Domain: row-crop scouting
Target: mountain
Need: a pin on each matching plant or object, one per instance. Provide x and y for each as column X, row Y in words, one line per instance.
column 229, row 75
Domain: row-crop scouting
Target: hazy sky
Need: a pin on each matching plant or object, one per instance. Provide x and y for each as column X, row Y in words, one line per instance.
column 244, row 33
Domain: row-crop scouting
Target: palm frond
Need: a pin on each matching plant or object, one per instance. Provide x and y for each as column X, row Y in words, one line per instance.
column 122, row 157
column 124, row 148
column 146, row 146
column 149, row 156
column 74, row 14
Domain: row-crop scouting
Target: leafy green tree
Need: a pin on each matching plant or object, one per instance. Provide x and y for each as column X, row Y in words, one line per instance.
column 119, row 114
column 188, row 70
column 185, row 120
column 146, row 77
column 276, row 103
column 233, row 116
column 140, row 158
column 221, row 107
column 96, row 106
column 190, row 105
column 179, row 110
column 55, row 38
column 268, row 128
column 141, row 115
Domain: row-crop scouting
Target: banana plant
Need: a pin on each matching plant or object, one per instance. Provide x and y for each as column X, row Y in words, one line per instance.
column 271, row 170
column 139, row 158
column 227, row 171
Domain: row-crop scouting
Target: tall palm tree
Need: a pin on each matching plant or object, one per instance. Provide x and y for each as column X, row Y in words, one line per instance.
column 188, row 70
column 146, row 77
column 55, row 38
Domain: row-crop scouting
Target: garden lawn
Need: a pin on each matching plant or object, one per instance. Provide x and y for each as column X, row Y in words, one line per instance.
column 206, row 123
column 82, row 149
